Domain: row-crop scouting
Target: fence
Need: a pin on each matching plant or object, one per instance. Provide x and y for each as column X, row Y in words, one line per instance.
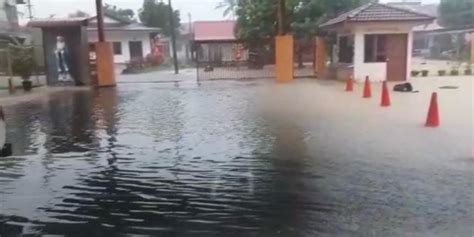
column 304, row 58
column 231, row 60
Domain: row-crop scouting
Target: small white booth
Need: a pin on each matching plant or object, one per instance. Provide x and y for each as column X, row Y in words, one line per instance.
column 374, row 40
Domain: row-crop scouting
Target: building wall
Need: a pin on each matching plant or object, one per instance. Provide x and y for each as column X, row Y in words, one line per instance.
column 8, row 15
column 183, row 50
column 377, row 71
column 124, row 38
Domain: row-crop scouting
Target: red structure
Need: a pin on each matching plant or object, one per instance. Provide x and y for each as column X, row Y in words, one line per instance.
column 385, row 95
column 367, row 91
column 349, row 84
column 432, row 119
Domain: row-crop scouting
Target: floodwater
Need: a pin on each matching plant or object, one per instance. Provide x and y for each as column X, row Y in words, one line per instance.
column 232, row 159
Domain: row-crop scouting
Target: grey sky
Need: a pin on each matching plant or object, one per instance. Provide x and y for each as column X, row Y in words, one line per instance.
column 199, row 9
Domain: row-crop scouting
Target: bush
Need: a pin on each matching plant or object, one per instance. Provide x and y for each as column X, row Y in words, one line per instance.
column 22, row 61
column 154, row 60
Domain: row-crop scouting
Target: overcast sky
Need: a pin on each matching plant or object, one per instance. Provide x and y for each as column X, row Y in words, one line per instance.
column 199, row 9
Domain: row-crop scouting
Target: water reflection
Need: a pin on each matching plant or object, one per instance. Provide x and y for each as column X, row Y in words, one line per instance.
column 179, row 162
column 142, row 165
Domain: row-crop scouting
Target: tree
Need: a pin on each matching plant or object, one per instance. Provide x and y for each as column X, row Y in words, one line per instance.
column 257, row 20
column 457, row 13
column 229, row 7
column 306, row 16
column 256, row 27
column 122, row 14
column 78, row 13
column 156, row 14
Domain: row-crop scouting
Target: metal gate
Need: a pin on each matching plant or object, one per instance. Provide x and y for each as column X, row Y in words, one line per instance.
column 304, row 54
column 232, row 60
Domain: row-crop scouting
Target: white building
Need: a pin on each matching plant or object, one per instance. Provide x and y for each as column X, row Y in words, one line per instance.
column 375, row 40
column 8, row 17
column 130, row 39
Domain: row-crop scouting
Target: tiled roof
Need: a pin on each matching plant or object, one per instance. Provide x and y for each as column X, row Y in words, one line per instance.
column 378, row 12
column 214, row 30
column 54, row 22
column 130, row 27
column 428, row 9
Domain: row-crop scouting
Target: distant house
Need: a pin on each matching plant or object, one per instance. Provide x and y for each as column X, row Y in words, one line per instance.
column 375, row 40
column 215, row 41
column 130, row 39
column 433, row 40
column 183, row 44
column 8, row 17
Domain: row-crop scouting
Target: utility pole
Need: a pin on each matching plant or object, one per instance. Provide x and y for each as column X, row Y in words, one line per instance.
column 30, row 9
column 189, row 51
column 190, row 22
column 281, row 17
column 100, row 20
column 173, row 38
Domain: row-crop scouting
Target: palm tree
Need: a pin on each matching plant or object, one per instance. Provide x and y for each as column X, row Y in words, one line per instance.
column 229, row 7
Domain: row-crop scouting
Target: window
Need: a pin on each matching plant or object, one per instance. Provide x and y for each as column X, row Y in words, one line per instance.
column 117, row 48
column 375, row 48
column 346, row 49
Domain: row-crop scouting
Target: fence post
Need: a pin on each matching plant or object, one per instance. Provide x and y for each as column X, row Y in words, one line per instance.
column 11, row 88
column 33, row 53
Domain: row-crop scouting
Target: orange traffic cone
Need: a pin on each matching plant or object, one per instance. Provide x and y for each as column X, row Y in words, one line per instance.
column 349, row 84
column 433, row 116
column 367, row 93
column 385, row 95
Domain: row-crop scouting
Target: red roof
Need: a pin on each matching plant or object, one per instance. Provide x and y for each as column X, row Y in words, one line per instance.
column 214, row 30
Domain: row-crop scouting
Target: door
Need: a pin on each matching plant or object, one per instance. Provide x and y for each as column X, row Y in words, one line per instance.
column 136, row 49
column 396, row 46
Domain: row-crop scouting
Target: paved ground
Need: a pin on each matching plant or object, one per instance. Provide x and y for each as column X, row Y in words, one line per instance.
column 37, row 81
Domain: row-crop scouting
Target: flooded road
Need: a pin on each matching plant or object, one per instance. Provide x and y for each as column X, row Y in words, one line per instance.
column 230, row 159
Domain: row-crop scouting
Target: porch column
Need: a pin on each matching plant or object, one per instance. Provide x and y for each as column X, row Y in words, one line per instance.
column 104, row 53
column 320, row 57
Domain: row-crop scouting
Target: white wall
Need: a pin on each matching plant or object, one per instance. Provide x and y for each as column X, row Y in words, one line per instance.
column 124, row 37
column 377, row 71
column 180, row 48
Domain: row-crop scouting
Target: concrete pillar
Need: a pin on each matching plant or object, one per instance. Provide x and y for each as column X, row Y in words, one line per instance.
column 105, row 64
column 284, row 58
column 320, row 57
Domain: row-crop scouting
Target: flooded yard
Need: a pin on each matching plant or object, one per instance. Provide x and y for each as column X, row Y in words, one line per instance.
column 230, row 158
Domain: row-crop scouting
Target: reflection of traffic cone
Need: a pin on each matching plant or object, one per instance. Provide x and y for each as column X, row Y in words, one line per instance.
column 385, row 95
column 472, row 153
column 367, row 93
column 349, row 84
column 433, row 116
